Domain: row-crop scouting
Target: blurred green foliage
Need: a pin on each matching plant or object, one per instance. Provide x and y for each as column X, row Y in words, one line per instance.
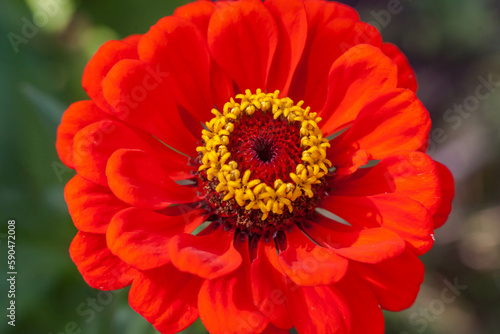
column 449, row 43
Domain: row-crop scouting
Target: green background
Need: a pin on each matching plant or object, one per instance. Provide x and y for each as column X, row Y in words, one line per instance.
column 449, row 43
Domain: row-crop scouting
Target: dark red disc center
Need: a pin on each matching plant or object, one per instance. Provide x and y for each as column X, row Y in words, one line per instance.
column 265, row 149
column 269, row 148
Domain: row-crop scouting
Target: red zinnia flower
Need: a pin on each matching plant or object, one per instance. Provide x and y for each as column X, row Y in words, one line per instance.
column 306, row 114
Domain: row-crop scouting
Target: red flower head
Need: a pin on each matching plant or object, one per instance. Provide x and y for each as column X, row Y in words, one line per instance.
column 259, row 165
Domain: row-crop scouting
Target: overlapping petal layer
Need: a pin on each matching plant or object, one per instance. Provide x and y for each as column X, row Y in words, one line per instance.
column 99, row 267
column 139, row 207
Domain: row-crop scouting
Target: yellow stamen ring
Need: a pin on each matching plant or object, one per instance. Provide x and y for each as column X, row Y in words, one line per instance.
column 251, row 193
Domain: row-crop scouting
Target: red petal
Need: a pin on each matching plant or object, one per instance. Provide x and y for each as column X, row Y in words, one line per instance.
column 355, row 77
column 268, row 286
column 226, row 304
column 91, row 206
column 291, row 21
column 403, row 215
column 100, row 269
column 176, row 48
column 397, row 112
column 332, row 41
column 308, row 264
column 370, row 245
column 208, row 256
column 413, row 174
column 242, row 37
column 166, row 297
column 406, row 76
column 138, row 179
column 222, row 86
column 447, row 190
column 140, row 237
column 132, row 40
column 366, row 314
column 271, row 329
column 319, row 309
column 94, row 144
column 140, row 97
column 395, row 282
column 76, row 117
column 104, row 59
column 319, row 14
column 198, row 12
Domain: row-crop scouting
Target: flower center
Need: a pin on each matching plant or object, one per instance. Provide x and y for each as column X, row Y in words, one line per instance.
column 264, row 149
column 263, row 162
column 268, row 147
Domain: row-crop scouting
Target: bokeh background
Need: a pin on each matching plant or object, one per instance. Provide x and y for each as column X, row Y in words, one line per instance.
column 453, row 46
